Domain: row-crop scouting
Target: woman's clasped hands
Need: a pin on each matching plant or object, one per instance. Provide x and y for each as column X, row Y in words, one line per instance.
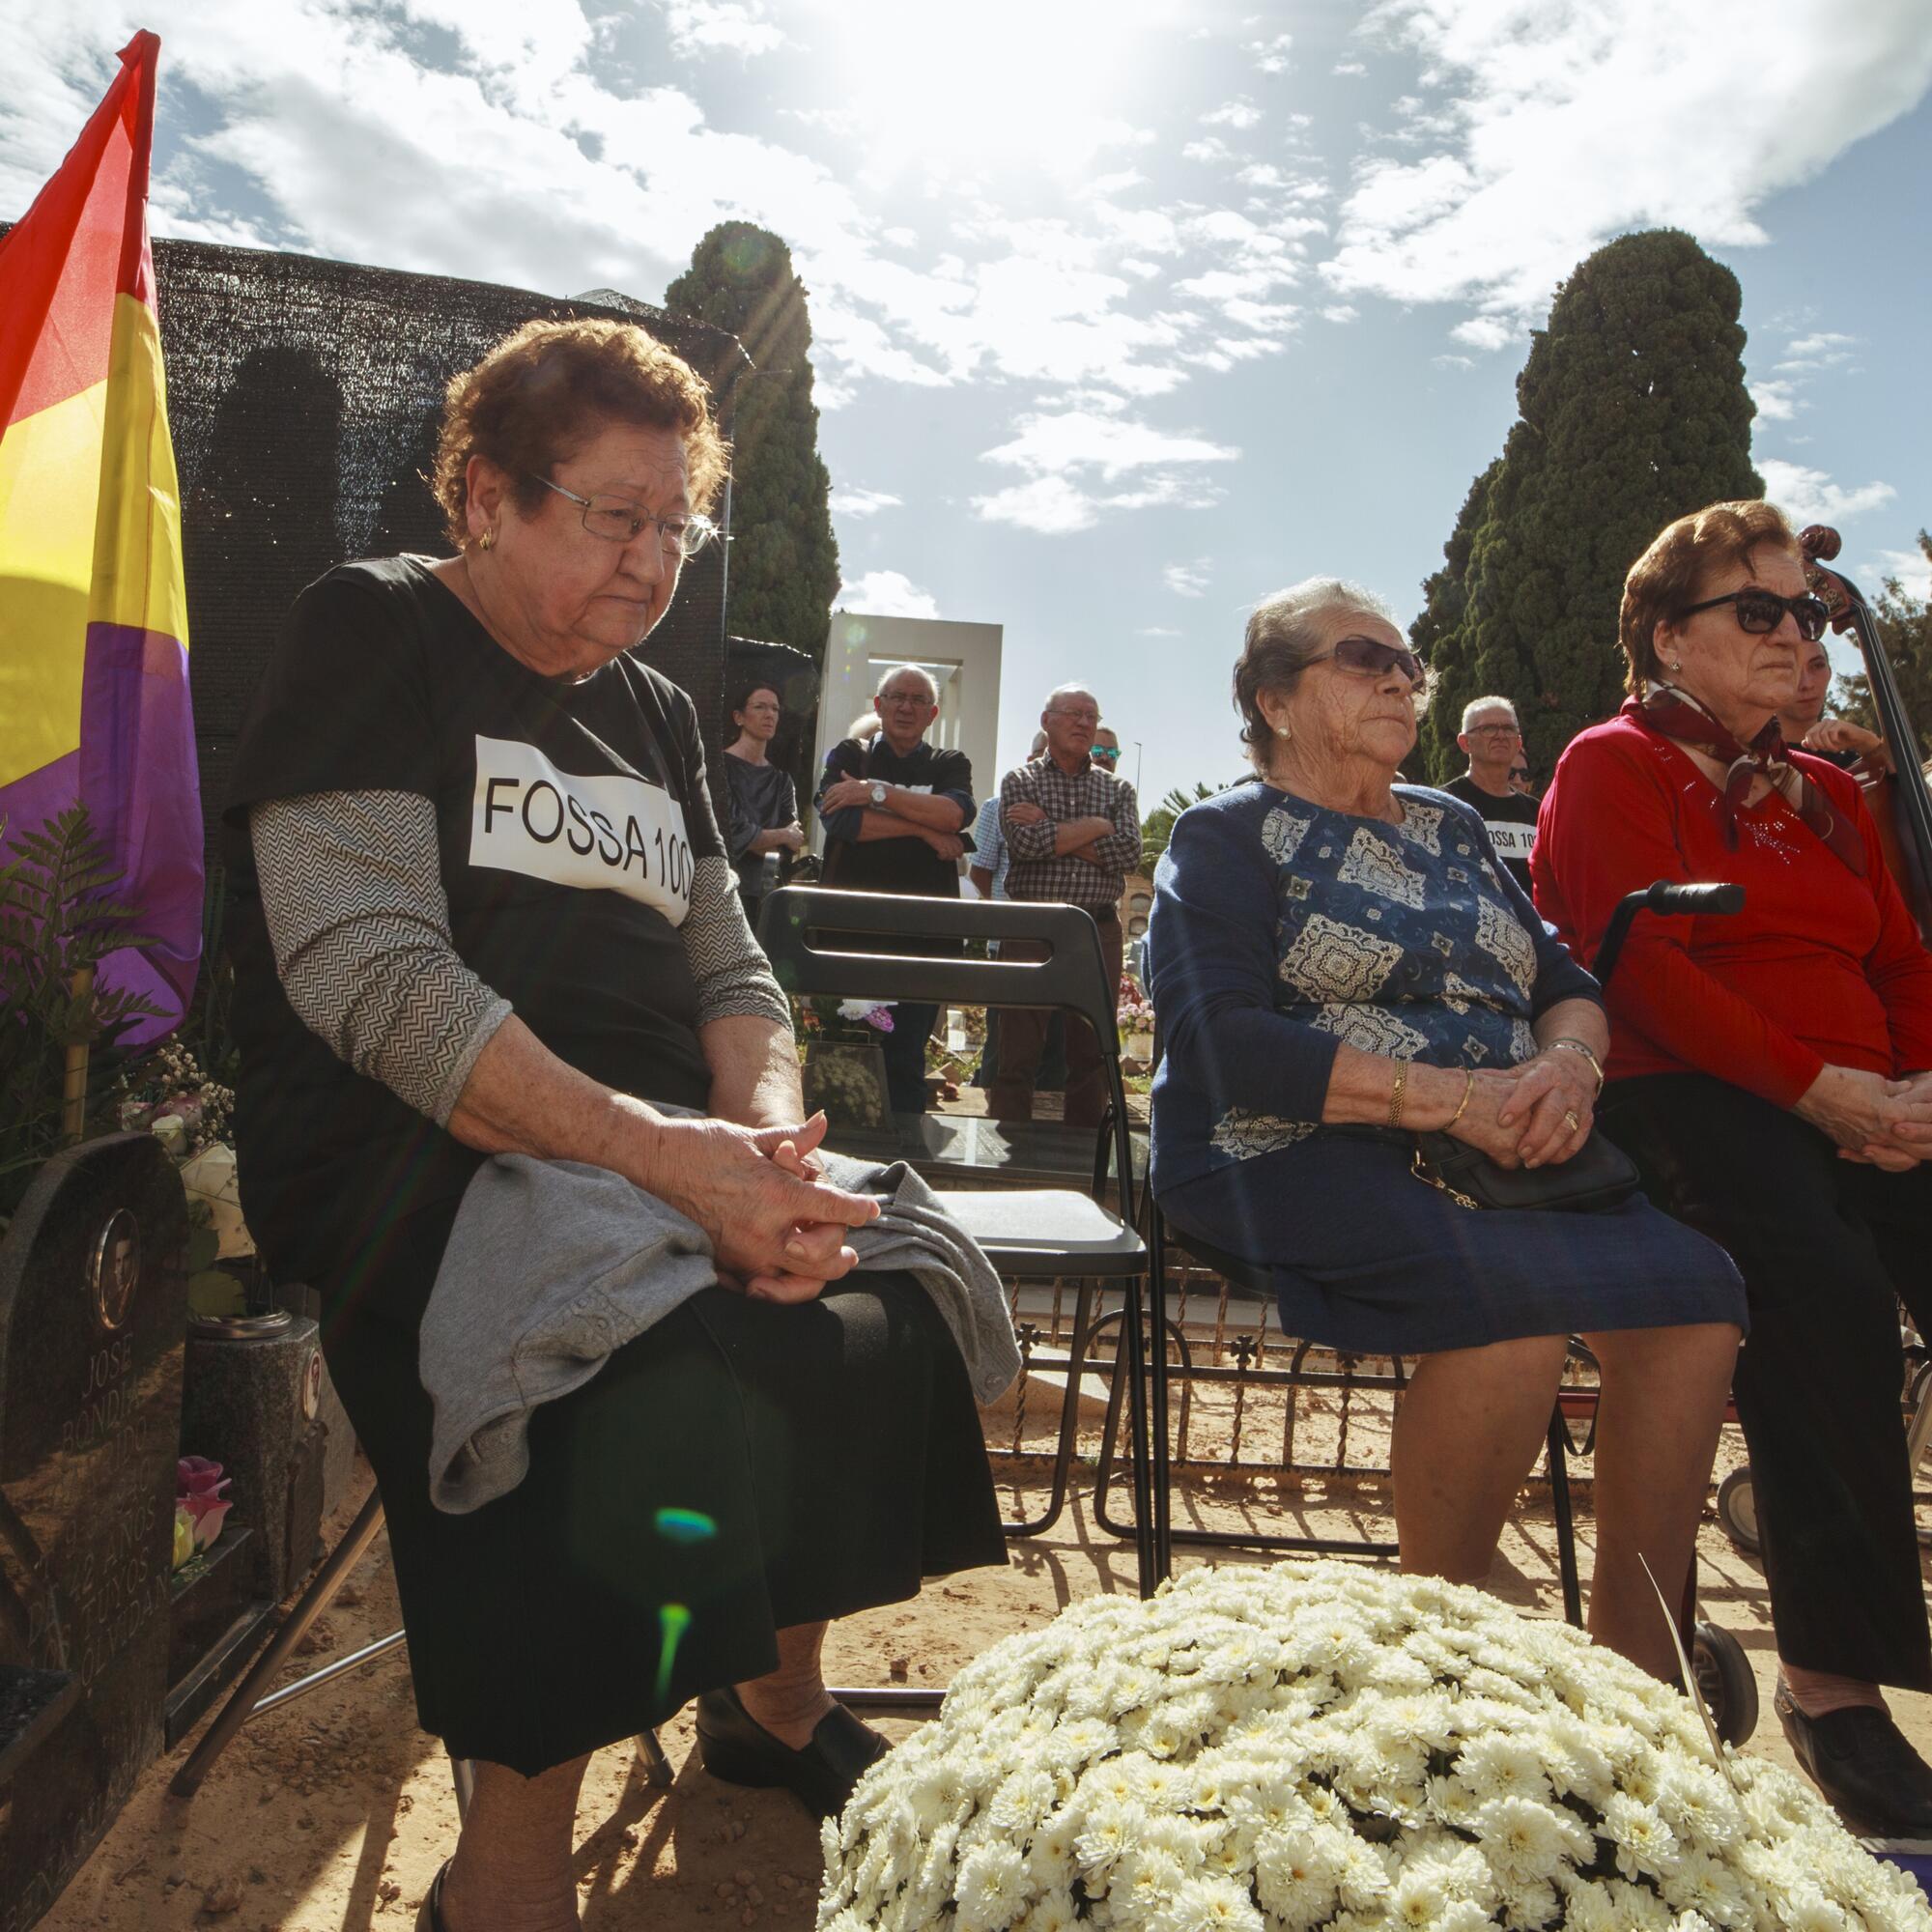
column 1538, row 1113
column 776, row 1226
column 1881, row 1123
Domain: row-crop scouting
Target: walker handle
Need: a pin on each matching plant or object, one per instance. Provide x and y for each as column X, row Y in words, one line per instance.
column 1667, row 898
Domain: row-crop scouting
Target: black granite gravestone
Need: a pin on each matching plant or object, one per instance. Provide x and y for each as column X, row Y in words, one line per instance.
column 92, row 1313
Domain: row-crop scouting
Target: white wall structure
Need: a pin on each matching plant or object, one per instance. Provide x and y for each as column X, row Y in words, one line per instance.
column 964, row 658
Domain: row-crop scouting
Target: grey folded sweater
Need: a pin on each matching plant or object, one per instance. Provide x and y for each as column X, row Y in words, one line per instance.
column 553, row 1264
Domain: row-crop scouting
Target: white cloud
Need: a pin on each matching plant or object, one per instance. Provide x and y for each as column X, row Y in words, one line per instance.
column 1212, row 149
column 1113, row 444
column 1568, row 123
column 1810, row 497
column 1049, row 506
column 1156, row 630
column 1271, row 55
column 719, row 26
column 1239, row 113
column 849, row 500
column 1486, row 331
column 1348, row 66
column 887, row 593
column 1340, row 312
column 1776, row 400
column 1453, row 361
column 1822, row 349
column 1911, row 567
column 1186, row 580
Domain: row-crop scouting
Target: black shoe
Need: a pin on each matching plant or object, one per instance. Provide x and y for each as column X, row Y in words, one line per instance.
column 430, row 1918
column 1859, row 1758
column 733, row 1745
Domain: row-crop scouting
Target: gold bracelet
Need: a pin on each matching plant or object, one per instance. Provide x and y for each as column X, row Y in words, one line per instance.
column 1395, row 1098
column 1469, row 1088
column 1577, row 1046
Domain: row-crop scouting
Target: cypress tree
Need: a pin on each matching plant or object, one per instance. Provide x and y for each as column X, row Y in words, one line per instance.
column 1436, row 636
column 1633, row 410
column 784, row 563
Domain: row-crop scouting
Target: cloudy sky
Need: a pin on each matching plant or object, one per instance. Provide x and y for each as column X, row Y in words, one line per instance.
column 1126, row 314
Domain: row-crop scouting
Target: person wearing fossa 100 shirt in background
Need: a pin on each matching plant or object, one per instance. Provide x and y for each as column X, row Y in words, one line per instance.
column 1492, row 741
column 894, row 809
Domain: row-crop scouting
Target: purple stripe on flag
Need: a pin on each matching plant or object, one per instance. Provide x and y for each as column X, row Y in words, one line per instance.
column 28, row 803
column 139, row 778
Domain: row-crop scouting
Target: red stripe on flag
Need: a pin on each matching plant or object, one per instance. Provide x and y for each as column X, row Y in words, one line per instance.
column 84, row 239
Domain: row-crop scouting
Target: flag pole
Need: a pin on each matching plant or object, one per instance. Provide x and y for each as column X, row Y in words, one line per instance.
column 74, row 1086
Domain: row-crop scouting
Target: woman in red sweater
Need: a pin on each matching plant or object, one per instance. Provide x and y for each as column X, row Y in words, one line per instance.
column 1768, row 1073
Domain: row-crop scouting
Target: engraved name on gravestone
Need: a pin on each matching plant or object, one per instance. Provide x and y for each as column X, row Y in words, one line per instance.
column 92, row 1313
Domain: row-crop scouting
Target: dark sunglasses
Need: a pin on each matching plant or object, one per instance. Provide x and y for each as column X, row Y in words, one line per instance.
column 1761, row 612
column 1372, row 658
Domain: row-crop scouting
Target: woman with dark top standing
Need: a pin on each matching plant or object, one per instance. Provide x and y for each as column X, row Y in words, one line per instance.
column 764, row 800
column 485, row 908
column 1340, row 962
column 1769, row 1077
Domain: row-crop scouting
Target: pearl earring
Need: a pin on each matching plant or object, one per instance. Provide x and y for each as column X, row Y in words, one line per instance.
column 1281, row 731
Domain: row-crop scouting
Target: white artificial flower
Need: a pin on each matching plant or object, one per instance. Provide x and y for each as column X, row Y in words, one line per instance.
column 991, row 1888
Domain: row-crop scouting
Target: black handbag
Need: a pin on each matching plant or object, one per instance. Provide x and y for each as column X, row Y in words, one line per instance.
column 1599, row 1175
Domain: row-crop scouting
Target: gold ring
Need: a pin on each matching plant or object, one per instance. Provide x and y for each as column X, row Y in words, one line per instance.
column 1571, row 1121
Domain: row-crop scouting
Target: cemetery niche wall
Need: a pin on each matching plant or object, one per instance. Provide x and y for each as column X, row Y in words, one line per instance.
column 93, row 1316
column 303, row 398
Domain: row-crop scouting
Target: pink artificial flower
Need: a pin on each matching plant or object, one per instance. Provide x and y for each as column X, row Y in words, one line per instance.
column 197, row 1476
column 880, row 1017
column 207, row 1514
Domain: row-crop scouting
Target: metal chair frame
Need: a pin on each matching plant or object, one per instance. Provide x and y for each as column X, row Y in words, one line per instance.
column 1073, row 978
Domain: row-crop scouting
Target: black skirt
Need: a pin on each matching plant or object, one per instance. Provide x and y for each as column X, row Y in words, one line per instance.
column 739, row 1469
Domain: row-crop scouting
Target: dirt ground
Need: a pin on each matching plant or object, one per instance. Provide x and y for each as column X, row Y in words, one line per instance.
column 332, row 1813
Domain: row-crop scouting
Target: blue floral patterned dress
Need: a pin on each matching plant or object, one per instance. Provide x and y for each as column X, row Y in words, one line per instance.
column 1282, row 931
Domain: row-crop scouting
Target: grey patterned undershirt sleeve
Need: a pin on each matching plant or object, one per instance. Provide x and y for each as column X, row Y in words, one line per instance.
column 733, row 976
column 360, row 927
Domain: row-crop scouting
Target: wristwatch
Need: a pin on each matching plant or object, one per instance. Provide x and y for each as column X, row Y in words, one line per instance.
column 878, row 794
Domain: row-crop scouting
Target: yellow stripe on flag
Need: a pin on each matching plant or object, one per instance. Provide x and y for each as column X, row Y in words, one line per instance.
column 49, row 474
column 136, row 561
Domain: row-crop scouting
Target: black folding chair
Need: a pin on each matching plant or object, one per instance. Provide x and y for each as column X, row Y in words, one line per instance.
column 1250, row 1281
column 1028, row 1233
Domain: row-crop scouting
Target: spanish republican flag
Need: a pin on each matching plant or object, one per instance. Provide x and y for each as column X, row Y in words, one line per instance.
column 93, row 696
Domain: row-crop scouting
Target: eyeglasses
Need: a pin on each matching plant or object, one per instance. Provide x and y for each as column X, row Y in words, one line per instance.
column 1108, row 751
column 1083, row 715
column 912, row 701
column 1760, row 612
column 1493, row 731
column 618, row 519
column 1370, row 657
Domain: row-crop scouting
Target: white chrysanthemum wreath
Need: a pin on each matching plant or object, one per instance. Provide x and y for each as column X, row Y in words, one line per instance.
column 1318, row 1745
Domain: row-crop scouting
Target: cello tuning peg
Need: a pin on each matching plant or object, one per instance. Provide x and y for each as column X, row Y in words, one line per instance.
column 1820, row 541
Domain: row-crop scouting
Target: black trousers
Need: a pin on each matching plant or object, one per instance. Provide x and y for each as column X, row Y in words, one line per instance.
column 1824, row 1246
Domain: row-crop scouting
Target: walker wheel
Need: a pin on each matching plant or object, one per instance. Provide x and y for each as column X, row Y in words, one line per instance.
column 1737, row 1511
column 1723, row 1675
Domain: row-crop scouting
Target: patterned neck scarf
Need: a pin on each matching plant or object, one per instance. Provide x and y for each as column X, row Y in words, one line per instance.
column 1677, row 716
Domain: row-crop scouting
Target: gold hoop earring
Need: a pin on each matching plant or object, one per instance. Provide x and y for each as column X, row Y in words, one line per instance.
column 486, row 541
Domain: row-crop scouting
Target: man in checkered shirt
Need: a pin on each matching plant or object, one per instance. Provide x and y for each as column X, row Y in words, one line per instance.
column 1072, row 832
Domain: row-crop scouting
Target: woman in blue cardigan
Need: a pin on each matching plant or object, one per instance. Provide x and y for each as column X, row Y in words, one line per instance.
column 1339, row 962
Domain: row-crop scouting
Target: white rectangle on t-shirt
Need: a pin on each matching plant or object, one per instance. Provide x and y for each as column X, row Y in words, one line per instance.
column 600, row 833
column 1511, row 841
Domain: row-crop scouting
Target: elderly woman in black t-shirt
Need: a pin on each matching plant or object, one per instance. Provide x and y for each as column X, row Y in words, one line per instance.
column 494, row 914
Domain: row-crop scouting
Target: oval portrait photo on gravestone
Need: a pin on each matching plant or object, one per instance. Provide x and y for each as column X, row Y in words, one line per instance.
column 115, row 1271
